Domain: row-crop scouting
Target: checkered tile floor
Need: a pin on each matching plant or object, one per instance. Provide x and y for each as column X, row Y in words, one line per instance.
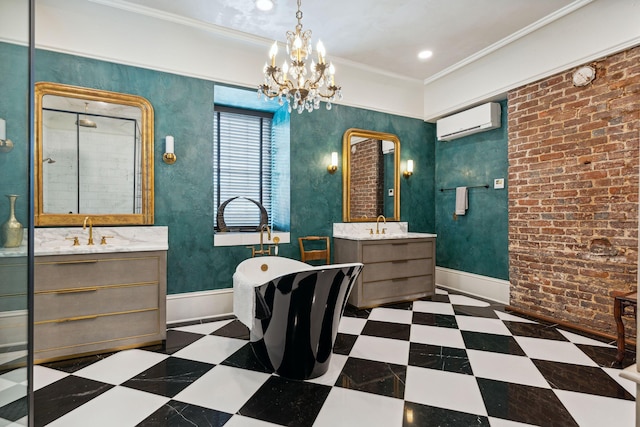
column 447, row 361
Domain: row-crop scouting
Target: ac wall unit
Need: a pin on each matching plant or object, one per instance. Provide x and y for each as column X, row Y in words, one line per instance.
column 477, row 119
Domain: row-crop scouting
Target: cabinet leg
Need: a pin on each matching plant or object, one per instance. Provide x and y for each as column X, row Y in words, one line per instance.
column 617, row 314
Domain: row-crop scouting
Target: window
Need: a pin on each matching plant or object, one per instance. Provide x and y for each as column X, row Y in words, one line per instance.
column 242, row 165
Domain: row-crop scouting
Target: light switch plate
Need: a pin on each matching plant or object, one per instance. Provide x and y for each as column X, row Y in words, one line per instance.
column 391, row 192
column 498, row 183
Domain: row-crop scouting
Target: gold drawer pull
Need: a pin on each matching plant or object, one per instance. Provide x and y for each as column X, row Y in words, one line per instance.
column 79, row 261
column 76, row 291
column 75, row 319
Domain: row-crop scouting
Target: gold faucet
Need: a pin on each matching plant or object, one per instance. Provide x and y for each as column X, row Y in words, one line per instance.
column 84, row 227
column 378, row 223
column 262, row 229
column 262, row 250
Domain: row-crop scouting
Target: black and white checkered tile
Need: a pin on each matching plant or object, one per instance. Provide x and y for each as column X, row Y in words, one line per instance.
column 451, row 360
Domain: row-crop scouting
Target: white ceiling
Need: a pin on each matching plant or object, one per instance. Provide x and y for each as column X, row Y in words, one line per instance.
column 382, row 34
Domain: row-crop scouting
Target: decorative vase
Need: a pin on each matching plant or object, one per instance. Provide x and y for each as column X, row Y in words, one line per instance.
column 11, row 231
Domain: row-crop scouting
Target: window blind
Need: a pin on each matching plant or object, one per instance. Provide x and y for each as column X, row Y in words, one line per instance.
column 242, row 165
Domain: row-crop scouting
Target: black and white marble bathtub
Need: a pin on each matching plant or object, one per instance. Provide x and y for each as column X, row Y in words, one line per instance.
column 292, row 310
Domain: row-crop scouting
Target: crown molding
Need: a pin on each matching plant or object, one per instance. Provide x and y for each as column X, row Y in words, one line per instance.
column 570, row 8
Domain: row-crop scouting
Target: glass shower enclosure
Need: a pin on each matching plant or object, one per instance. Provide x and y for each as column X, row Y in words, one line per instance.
column 16, row 212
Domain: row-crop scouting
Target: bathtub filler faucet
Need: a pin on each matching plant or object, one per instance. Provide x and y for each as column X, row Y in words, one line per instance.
column 84, row 227
column 380, row 217
column 262, row 250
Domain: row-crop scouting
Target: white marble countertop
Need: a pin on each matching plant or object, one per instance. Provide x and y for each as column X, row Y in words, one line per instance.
column 53, row 241
column 386, row 236
column 14, row 252
column 362, row 231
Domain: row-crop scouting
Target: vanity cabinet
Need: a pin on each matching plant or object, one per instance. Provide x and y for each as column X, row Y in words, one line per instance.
column 13, row 301
column 94, row 303
column 395, row 270
column 13, row 292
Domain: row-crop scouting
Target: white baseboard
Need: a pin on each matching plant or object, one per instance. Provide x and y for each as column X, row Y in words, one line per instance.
column 199, row 305
column 192, row 306
column 473, row 284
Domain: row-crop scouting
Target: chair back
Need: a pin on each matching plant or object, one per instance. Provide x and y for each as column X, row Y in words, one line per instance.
column 317, row 248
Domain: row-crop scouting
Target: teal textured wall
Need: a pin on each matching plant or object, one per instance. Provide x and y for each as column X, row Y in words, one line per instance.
column 316, row 196
column 183, row 191
column 478, row 241
column 14, row 87
column 14, row 173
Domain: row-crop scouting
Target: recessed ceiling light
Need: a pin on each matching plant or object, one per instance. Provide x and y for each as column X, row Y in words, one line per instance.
column 264, row 4
column 425, row 54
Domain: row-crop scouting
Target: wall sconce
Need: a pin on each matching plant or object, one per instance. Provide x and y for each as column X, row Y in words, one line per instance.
column 5, row 144
column 409, row 171
column 333, row 166
column 169, row 157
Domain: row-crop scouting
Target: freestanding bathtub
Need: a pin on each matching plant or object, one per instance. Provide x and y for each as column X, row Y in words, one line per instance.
column 292, row 310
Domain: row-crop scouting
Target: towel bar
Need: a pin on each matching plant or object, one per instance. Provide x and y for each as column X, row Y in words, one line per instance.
column 475, row 186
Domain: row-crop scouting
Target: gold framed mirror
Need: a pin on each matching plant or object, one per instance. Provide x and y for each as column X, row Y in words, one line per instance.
column 371, row 175
column 93, row 157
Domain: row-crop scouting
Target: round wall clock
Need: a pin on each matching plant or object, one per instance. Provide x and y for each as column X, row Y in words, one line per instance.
column 583, row 76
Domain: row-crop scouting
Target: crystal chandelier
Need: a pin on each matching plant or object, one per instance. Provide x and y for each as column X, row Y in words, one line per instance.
column 302, row 88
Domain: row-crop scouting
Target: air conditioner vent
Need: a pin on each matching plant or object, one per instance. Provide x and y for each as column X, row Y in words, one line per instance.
column 478, row 119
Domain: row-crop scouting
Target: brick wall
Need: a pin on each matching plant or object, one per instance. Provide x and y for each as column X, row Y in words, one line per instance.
column 573, row 192
column 366, row 185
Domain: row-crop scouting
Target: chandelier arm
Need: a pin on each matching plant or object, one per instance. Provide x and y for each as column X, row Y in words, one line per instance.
column 314, row 84
column 333, row 92
column 281, row 84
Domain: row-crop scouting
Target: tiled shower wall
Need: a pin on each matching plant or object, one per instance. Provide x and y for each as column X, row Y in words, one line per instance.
column 573, row 192
column 117, row 189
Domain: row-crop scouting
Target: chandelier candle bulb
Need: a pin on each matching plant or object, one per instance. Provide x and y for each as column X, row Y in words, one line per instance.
column 332, row 71
column 3, row 130
column 321, row 52
column 273, row 53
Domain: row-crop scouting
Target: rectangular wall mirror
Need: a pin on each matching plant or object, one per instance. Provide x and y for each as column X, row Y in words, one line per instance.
column 371, row 177
column 94, row 156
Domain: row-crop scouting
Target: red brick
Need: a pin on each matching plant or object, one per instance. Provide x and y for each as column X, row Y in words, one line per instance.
column 573, row 169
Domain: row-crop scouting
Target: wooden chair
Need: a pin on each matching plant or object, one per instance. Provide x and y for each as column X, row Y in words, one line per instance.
column 318, row 248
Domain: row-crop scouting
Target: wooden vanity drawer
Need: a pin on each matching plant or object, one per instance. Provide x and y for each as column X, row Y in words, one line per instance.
column 94, row 301
column 397, row 269
column 384, row 291
column 398, row 250
column 89, row 334
column 95, row 270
